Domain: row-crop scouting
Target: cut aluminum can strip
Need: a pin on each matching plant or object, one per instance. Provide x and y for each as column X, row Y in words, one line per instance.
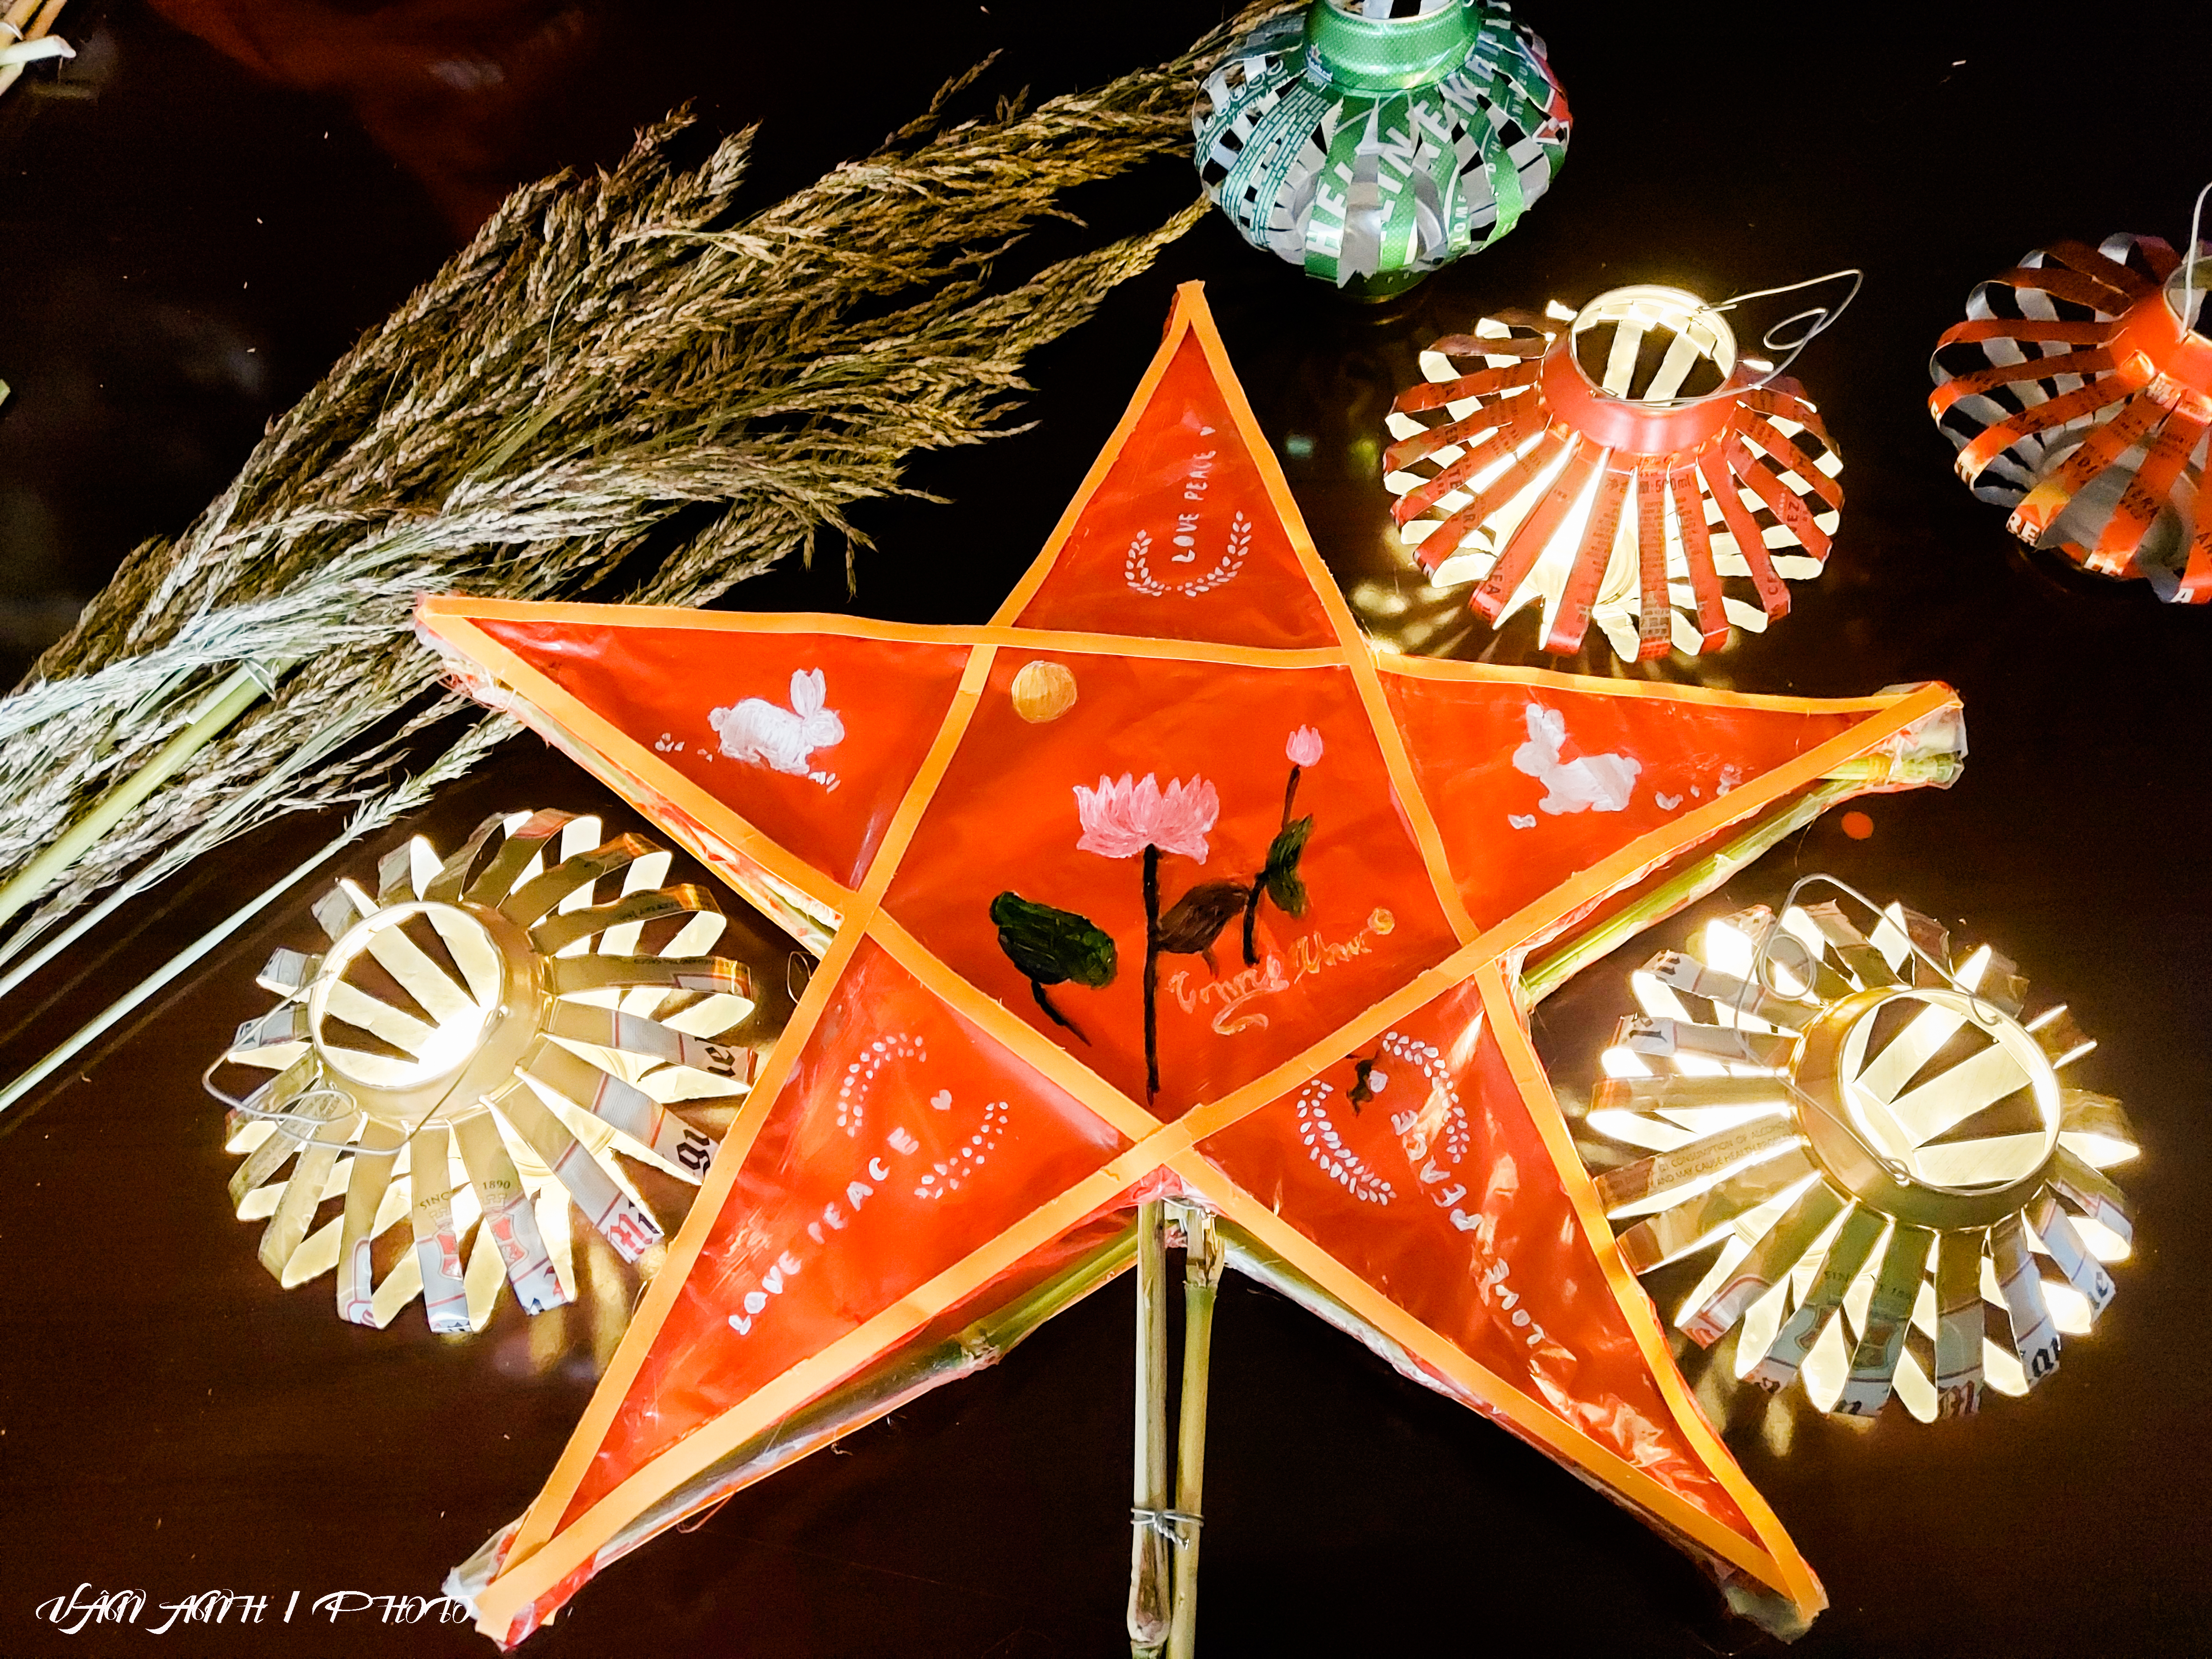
column 395, row 875
column 1846, row 1253
column 523, row 844
column 364, row 1204
column 628, row 1226
column 633, row 1034
column 1670, row 1091
column 540, row 897
column 1646, row 1036
column 1665, row 1171
column 282, row 1026
column 1684, row 972
column 2058, row 1037
column 315, row 1115
column 1889, row 1312
column 1768, row 1262
column 288, row 972
column 621, row 1105
column 713, row 974
column 1959, row 1322
column 2035, row 1339
column 437, row 1239
column 1676, row 1232
column 2096, row 1197
column 445, row 887
column 510, row 1220
column 295, row 1210
column 334, row 914
column 559, row 931
column 1857, row 953
column 2080, row 1268
column 2086, row 1113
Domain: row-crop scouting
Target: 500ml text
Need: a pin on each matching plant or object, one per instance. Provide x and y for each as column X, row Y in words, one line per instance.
column 86, row 1606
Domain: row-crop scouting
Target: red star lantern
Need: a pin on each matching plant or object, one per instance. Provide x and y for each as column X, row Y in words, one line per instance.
column 1164, row 880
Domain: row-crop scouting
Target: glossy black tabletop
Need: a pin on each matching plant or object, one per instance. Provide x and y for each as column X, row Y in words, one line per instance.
column 218, row 195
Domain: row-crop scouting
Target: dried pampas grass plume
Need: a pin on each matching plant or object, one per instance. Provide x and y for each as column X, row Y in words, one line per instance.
column 611, row 356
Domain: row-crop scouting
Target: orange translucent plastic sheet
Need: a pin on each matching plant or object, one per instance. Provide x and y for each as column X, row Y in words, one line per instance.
column 850, row 1197
column 1371, row 920
column 1569, row 770
column 1162, row 768
column 1182, row 515
column 1417, row 1164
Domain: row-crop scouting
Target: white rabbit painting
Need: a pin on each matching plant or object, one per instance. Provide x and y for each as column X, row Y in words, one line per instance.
column 1603, row 782
column 784, row 739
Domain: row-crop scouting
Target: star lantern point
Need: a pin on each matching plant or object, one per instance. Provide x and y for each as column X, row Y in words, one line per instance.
column 1163, row 879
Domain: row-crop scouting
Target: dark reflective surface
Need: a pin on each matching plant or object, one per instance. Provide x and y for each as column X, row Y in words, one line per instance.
column 187, row 242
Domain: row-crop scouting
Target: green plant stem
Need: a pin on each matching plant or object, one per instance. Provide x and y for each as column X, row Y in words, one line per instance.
column 246, row 685
column 1678, row 890
column 1152, row 971
column 875, row 1393
column 84, row 1035
column 1036, row 988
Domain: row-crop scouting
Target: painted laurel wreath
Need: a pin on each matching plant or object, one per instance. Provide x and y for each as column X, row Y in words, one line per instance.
column 1137, row 564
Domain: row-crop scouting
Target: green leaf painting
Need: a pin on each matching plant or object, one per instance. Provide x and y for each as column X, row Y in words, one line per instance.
column 1052, row 947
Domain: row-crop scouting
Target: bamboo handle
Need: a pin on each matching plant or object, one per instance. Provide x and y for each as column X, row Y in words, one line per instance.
column 1148, row 1566
column 1201, row 1280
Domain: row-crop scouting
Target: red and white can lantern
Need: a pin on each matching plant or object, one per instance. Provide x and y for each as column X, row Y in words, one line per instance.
column 1623, row 465
column 2080, row 395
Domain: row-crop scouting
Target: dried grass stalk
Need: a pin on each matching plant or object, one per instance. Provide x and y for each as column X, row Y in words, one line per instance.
column 607, row 353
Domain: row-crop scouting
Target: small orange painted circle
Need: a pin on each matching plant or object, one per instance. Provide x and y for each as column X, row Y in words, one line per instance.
column 1043, row 691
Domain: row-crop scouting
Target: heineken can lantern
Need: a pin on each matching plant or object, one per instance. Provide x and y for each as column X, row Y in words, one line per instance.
column 1372, row 141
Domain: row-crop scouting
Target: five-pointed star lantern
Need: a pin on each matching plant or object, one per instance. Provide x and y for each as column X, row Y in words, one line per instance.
column 1166, row 880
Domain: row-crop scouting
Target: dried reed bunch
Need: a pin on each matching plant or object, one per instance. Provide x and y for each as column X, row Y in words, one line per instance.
column 610, row 352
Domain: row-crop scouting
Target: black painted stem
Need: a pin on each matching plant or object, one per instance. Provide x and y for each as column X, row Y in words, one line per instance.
column 1036, row 986
column 1260, row 881
column 1152, row 971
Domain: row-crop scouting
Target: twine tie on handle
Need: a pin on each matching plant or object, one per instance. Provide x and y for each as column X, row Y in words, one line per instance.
column 1176, row 1526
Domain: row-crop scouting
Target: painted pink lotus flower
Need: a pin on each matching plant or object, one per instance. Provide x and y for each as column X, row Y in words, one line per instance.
column 1303, row 748
column 1122, row 818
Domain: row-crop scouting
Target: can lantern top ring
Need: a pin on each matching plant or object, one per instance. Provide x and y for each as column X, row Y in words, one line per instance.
column 1637, row 407
column 1359, row 53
